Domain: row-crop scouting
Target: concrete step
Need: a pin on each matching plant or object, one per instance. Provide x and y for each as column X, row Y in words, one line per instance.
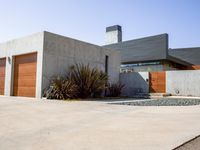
column 141, row 95
column 159, row 95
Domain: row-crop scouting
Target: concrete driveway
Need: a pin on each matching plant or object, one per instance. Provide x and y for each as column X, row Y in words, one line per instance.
column 27, row 124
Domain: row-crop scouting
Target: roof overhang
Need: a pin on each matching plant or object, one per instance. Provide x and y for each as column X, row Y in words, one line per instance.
column 178, row 61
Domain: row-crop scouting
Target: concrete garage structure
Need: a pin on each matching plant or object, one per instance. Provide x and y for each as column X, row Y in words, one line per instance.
column 27, row 64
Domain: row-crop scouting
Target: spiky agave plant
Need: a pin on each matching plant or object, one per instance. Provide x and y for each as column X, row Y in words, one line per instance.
column 62, row 88
column 99, row 81
column 90, row 81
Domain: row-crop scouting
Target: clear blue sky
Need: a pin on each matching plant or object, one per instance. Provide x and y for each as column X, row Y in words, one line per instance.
column 86, row 19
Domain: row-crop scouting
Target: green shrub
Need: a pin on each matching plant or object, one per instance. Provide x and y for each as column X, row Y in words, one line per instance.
column 61, row 88
column 114, row 89
column 89, row 81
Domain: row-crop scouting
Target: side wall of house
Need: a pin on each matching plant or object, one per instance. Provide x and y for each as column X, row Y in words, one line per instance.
column 26, row 45
column 61, row 52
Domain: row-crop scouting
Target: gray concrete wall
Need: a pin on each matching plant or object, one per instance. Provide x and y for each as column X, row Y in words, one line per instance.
column 186, row 83
column 183, row 83
column 25, row 45
column 144, row 49
column 190, row 55
column 61, row 52
column 135, row 82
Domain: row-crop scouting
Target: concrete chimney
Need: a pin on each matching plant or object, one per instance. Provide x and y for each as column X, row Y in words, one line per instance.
column 113, row 34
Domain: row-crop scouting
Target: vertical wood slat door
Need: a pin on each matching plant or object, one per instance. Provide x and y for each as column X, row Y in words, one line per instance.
column 157, row 82
column 2, row 75
column 25, row 67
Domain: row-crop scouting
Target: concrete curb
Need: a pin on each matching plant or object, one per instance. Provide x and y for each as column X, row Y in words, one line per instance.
column 176, row 148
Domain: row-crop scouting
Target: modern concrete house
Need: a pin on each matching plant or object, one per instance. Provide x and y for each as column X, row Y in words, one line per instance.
column 148, row 65
column 150, row 53
column 27, row 64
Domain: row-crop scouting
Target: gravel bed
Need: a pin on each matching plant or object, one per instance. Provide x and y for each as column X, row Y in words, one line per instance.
column 164, row 102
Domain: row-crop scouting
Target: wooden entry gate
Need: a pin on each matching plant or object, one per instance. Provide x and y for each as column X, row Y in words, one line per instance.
column 157, row 82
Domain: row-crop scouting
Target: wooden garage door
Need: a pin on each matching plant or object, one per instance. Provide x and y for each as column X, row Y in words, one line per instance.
column 25, row 67
column 157, row 82
column 2, row 75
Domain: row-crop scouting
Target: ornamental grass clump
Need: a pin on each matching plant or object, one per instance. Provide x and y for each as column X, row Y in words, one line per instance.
column 61, row 89
column 90, row 82
column 115, row 89
column 81, row 81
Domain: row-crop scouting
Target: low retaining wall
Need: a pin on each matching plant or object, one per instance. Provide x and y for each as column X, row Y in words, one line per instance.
column 135, row 82
column 186, row 83
column 183, row 83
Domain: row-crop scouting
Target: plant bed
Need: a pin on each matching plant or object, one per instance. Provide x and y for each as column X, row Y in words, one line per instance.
column 82, row 82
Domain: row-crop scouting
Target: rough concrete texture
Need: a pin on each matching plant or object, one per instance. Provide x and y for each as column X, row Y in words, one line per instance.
column 28, row 124
column 113, row 37
column 185, row 83
column 178, row 83
column 61, row 52
column 135, row 82
column 144, row 49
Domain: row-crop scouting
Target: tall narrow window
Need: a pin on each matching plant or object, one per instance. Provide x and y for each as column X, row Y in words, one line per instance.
column 106, row 64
